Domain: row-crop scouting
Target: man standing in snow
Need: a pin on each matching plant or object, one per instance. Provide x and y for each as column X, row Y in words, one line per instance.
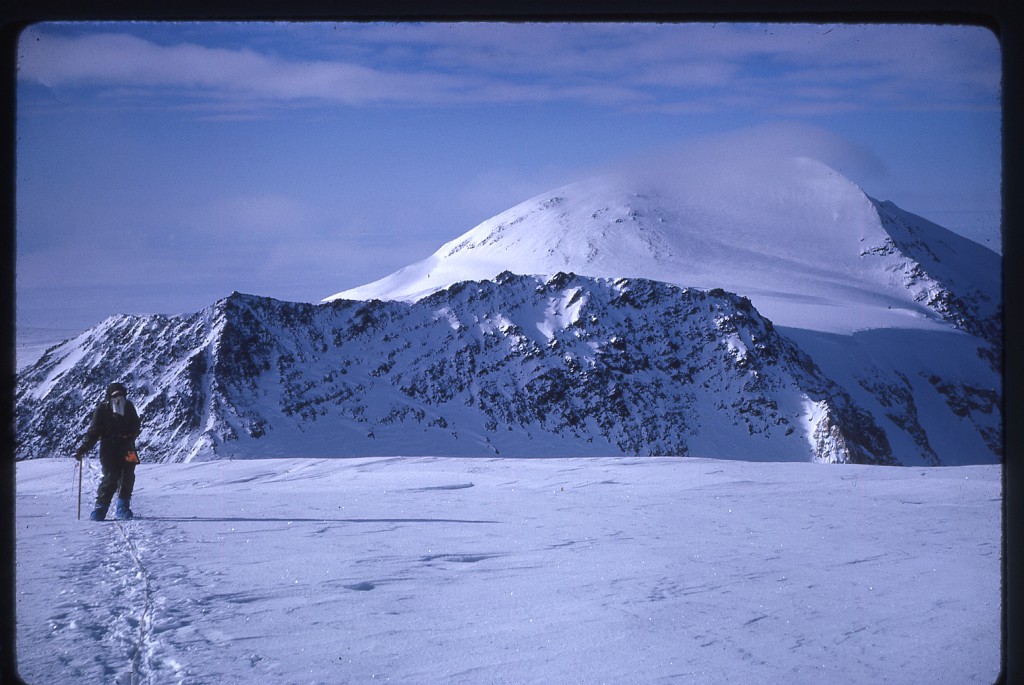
column 115, row 425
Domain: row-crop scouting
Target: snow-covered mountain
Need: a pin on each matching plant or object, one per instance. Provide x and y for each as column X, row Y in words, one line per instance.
column 899, row 311
column 772, row 311
column 806, row 245
column 519, row 366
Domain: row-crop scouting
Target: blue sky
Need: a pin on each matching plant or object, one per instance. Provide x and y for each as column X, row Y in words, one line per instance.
column 163, row 165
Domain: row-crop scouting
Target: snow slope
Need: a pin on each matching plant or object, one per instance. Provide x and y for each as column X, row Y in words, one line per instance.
column 448, row 570
column 808, row 247
column 33, row 341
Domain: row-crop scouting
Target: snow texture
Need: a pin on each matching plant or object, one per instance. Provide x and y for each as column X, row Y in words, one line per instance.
column 455, row 570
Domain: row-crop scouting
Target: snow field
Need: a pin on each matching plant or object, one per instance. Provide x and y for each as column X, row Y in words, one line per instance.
column 478, row 570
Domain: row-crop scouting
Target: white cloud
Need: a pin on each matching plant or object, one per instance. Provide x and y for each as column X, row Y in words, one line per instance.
column 693, row 159
column 771, row 67
column 119, row 60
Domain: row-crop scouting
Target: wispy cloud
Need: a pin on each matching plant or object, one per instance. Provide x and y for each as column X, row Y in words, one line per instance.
column 709, row 160
column 110, row 60
column 779, row 69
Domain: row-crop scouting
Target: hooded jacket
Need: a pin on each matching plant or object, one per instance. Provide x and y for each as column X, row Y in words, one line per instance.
column 116, row 433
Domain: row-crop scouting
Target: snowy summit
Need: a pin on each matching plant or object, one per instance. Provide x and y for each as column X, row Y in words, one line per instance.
column 805, row 244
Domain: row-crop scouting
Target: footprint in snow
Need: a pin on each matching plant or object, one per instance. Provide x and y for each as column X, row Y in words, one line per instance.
column 459, row 558
column 456, row 486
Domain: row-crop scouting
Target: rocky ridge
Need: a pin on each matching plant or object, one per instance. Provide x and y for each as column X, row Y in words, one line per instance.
column 519, row 366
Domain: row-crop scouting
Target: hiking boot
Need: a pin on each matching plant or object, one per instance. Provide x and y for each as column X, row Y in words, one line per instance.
column 122, row 511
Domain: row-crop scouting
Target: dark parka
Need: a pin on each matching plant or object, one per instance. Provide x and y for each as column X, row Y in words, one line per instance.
column 115, row 433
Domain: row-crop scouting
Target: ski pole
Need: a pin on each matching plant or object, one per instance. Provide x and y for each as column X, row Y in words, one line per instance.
column 79, row 489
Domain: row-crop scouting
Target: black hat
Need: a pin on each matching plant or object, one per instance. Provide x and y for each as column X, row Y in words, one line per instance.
column 116, row 389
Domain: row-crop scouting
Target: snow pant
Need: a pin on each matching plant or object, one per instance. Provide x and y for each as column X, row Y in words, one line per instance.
column 119, row 477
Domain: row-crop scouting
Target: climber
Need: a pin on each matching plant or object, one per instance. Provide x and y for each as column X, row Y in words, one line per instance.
column 115, row 425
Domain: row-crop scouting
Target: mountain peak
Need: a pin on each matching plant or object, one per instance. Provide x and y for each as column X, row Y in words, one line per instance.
column 806, row 244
